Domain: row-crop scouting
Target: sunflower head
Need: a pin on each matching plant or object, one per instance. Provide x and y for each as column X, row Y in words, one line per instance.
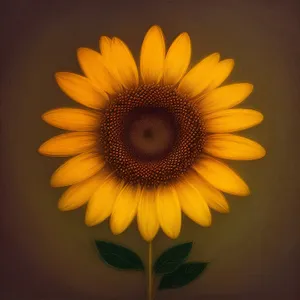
column 149, row 142
column 151, row 135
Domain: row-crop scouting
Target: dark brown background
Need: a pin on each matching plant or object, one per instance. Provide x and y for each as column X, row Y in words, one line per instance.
column 47, row 254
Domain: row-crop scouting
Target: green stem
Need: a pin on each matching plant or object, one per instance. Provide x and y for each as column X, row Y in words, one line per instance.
column 150, row 274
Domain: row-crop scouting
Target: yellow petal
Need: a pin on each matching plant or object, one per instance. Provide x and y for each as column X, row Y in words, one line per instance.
column 69, row 144
column 221, row 72
column 177, row 59
column 225, row 97
column 168, row 211
column 147, row 219
column 214, row 198
column 125, row 64
column 73, row 119
column 93, row 66
column 105, row 44
column 193, row 204
column 77, row 169
column 101, row 204
column 81, row 90
column 106, row 53
column 78, row 194
column 153, row 55
column 221, row 176
column 232, row 120
column 124, row 209
column 231, row 146
column 199, row 77
column 105, row 47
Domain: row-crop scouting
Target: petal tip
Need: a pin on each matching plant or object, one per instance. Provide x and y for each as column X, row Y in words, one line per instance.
column 90, row 222
column 246, row 191
column 185, row 35
column 147, row 237
column 57, row 75
column 63, row 206
column 250, row 87
column 60, row 75
column 44, row 117
column 155, row 27
column 114, row 228
column 224, row 209
column 207, row 224
column 216, row 55
column 155, row 30
column 81, row 51
column 115, row 39
column 172, row 232
column 263, row 152
column 55, row 182
column 47, row 117
column 115, row 231
column 104, row 38
column 172, row 235
column 231, row 63
column 260, row 117
column 41, row 149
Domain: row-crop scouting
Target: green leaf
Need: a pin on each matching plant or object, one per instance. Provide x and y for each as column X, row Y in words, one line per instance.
column 185, row 274
column 118, row 256
column 172, row 258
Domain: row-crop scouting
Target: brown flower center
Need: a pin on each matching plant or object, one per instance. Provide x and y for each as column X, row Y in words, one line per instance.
column 151, row 135
column 150, row 132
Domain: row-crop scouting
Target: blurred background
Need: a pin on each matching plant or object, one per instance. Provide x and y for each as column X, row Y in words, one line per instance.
column 49, row 255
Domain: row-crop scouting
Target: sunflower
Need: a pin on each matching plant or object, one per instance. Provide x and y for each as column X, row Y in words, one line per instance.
column 149, row 142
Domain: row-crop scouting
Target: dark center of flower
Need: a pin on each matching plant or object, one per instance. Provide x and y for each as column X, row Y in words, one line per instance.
column 151, row 135
column 149, row 132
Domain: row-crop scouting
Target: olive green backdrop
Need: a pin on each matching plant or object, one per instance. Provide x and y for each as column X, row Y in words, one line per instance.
column 47, row 254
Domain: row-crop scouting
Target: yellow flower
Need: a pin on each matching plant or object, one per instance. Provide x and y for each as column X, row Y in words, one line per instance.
column 145, row 144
